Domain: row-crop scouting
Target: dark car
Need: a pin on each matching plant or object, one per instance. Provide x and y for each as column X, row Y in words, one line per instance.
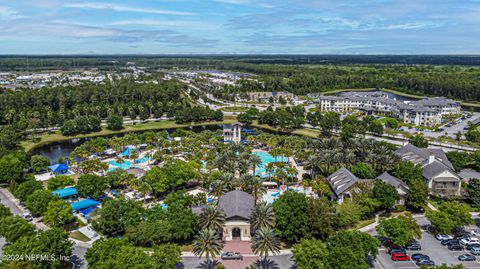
column 425, row 263
column 450, row 242
column 420, row 256
column 455, row 247
column 469, row 247
column 462, row 236
column 231, row 256
column 179, row 265
column 467, row 257
column 414, row 246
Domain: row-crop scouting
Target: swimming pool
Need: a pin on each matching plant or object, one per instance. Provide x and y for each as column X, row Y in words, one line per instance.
column 142, row 160
column 271, row 195
column 266, row 158
column 125, row 165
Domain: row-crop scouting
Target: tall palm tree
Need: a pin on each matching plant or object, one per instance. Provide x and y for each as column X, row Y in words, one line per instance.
column 212, row 218
column 257, row 188
column 208, row 243
column 217, row 189
column 262, row 216
column 254, row 162
column 264, row 242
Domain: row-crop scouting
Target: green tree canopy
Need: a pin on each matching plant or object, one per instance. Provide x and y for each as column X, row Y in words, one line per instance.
column 310, row 253
column 39, row 163
column 290, row 214
column 27, row 188
column 59, row 182
column 91, row 185
column 13, row 228
column 38, row 201
column 58, row 213
column 386, row 194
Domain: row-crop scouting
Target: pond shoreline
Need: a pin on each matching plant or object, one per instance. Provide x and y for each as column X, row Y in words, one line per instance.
column 47, row 139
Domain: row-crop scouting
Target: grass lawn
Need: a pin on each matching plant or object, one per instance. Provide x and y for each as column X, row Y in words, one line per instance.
column 79, row 236
column 234, row 109
column 304, row 132
column 363, row 223
column 56, row 136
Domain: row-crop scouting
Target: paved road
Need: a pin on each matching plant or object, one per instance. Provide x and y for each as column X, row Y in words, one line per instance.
column 279, row 261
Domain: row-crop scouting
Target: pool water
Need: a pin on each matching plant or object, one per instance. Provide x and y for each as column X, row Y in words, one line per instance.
column 125, row 165
column 142, row 160
column 271, row 195
column 261, row 170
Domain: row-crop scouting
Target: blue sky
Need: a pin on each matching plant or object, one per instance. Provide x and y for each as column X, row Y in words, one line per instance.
column 240, row 26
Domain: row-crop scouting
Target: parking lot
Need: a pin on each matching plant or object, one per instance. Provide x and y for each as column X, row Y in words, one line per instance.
column 431, row 247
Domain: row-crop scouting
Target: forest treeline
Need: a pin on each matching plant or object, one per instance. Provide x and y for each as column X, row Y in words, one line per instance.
column 53, row 106
column 461, row 83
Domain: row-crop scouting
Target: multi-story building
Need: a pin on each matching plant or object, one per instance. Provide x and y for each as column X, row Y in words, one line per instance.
column 264, row 97
column 437, row 170
column 426, row 112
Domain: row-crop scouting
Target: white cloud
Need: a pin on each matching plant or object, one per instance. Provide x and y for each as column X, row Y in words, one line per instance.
column 9, row 14
column 123, row 8
column 165, row 23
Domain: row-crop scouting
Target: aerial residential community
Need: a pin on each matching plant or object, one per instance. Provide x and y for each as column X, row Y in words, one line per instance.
column 239, row 134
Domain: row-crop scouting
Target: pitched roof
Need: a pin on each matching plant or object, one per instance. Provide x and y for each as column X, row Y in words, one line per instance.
column 391, row 180
column 420, row 156
column 435, row 168
column 341, row 180
column 236, row 204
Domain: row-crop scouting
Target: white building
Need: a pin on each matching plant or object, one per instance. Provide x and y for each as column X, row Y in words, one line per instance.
column 426, row 112
column 232, row 132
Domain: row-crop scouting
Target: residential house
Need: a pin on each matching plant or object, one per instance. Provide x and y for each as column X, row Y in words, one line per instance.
column 400, row 186
column 437, row 170
column 341, row 182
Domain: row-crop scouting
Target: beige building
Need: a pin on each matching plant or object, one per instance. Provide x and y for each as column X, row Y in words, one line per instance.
column 237, row 206
column 264, row 97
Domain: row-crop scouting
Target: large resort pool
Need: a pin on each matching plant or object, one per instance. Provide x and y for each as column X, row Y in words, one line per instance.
column 261, row 170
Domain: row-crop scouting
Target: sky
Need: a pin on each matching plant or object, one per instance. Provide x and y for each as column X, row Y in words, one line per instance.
column 240, row 27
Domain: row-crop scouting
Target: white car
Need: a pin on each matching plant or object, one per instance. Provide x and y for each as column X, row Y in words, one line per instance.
column 470, row 241
column 475, row 232
column 441, row 237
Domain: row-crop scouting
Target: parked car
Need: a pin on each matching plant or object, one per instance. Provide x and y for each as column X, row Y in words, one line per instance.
column 27, row 216
column 455, row 247
column 396, row 250
column 470, row 247
column 442, row 237
column 467, row 257
column 469, row 241
column 475, row 232
column 475, row 252
column 419, row 256
column 400, row 257
column 415, row 246
column 231, row 256
column 450, row 241
column 425, row 263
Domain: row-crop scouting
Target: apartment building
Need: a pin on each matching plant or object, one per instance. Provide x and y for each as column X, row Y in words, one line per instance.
column 425, row 112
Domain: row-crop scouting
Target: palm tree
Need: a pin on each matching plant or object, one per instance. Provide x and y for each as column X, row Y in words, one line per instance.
column 217, row 189
column 264, row 242
column 257, row 188
column 208, row 243
column 254, row 162
column 212, row 218
column 228, row 179
column 262, row 216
